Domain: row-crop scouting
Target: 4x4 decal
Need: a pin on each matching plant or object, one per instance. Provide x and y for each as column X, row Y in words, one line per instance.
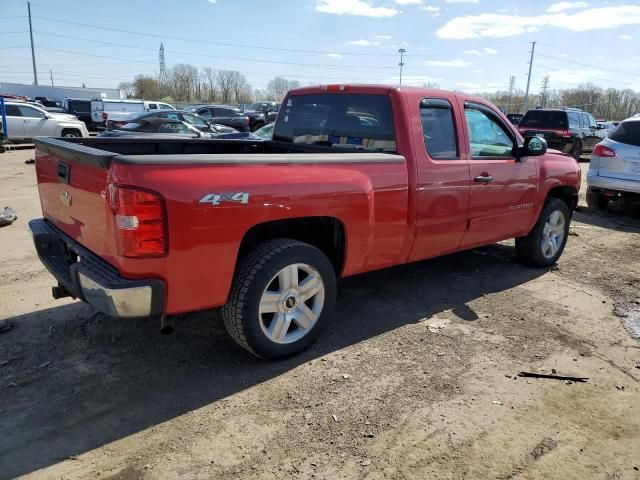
column 217, row 198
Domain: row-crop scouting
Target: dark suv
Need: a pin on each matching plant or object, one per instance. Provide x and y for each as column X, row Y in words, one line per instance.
column 268, row 109
column 81, row 108
column 569, row 130
column 223, row 114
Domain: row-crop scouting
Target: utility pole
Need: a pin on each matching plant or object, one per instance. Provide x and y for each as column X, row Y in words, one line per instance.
column 33, row 53
column 512, row 81
column 543, row 90
column 526, row 95
column 51, row 73
column 402, row 51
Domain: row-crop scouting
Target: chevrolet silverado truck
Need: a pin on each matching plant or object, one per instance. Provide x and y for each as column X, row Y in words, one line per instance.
column 356, row 178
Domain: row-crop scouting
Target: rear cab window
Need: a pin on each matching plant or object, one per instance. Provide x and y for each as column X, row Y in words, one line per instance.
column 438, row 129
column 548, row 119
column 123, row 107
column 349, row 121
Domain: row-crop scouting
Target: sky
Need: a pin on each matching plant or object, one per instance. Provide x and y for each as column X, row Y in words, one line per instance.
column 469, row 45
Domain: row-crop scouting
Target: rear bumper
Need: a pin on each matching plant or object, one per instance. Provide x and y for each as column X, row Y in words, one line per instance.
column 596, row 182
column 87, row 277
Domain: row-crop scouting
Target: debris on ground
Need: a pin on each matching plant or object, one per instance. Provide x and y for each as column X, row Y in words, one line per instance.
column 545, row 446
column 5, row 326
column 30, row 161
column 8, row 216
column 553, row 376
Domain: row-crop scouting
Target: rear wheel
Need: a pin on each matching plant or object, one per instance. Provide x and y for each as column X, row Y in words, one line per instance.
column 576, row 151
column 71, row 133
column 281, row 299
column 596, row 200
column 546, row 241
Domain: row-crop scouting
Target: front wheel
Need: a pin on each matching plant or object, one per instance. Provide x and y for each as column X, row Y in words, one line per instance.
column 546, row 241
column 576, row 151
column 71, row 134
column 281, row 299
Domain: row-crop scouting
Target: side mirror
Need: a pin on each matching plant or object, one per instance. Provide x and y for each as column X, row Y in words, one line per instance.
column 533, row 147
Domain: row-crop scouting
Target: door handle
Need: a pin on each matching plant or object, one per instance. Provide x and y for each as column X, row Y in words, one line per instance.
column 27, row 121
column 483, row 178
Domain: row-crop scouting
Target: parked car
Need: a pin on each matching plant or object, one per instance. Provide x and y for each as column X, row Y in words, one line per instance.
column 265, row 228
column 153, row 105
column 224, row 115
column 47, row 102
column 569, row 130
column 265, row 132
column 114, row 113
column 268, row 109
column 25, row 121
column 607, row 126
column 167, row 128
column 515, row 118
column 192, row 119
column 81, row 108
column 614, row 171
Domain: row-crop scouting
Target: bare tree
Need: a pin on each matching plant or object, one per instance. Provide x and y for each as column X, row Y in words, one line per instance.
column 182, row 81
column 209, row 79
column 146, row 87
column 225, row 80
column 127, row 88
column 278, row 87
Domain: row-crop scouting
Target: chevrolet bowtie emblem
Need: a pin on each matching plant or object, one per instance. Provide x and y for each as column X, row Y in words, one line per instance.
column 65, row 198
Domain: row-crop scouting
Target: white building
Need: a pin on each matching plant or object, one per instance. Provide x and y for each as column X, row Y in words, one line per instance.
column 58, row 93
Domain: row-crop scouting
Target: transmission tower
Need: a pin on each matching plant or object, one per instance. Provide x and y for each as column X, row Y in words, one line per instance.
column 544, row 87
column 162, row 78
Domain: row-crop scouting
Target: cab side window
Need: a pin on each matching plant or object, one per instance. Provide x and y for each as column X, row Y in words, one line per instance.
column 438, row 129
column 488, row 138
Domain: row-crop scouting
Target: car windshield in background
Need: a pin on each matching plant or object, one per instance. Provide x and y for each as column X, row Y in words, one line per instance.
column 545, row 119
column 343, row 120
column 627, row 132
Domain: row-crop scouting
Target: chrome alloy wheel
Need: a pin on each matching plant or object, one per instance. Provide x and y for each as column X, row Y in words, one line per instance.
column 553, row 234
column 292, row 303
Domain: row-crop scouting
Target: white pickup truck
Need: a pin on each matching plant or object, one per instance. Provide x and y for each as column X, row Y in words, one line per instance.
column 108, row 112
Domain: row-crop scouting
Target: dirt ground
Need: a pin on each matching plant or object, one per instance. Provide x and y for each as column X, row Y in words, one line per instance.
column 415, row 379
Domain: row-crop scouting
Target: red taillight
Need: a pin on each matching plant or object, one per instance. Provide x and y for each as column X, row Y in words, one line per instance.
column 565, row 133
column 105, row 116
column 140, row 221
column 604, row 151
column 336, row 88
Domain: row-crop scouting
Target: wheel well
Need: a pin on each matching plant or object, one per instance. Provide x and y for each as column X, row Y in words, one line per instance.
column 69, row 130
column 325, row 233
column 565, row 193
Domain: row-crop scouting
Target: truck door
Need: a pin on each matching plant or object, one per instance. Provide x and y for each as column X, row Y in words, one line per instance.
column 443, row 180
column 503, row 189
column 36, row 123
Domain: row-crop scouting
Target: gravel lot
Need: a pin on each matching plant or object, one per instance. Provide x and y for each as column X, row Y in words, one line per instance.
column 416, row 378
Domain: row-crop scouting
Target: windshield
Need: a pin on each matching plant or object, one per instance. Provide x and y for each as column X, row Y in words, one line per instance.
column 342, row 120
column 123, row 107
column 545, row 119
column 627, row 132
column 256, row 106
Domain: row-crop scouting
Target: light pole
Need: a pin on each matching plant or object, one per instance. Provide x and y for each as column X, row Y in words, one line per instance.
column 402, row 51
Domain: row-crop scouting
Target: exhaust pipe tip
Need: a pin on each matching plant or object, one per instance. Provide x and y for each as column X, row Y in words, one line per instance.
column 166, row 325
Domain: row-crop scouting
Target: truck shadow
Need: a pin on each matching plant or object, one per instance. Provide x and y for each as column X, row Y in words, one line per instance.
column 74, row 380
column 624, row 218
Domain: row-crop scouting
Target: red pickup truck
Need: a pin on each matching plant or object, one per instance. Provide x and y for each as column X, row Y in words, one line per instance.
column 356, row 178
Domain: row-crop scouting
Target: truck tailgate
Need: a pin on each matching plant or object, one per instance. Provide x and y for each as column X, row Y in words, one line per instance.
column 72, row 182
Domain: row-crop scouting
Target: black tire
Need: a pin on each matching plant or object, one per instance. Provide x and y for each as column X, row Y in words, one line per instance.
column 71, row 133
column 596, row 200
column 241, row 314
column 530, row 250
column 576, row 151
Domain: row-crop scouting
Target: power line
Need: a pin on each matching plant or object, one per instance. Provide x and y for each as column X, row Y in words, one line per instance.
column 588, row 65
column 226, row 44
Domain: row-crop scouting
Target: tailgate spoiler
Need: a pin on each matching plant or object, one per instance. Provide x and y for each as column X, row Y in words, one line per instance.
column 74, row 152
